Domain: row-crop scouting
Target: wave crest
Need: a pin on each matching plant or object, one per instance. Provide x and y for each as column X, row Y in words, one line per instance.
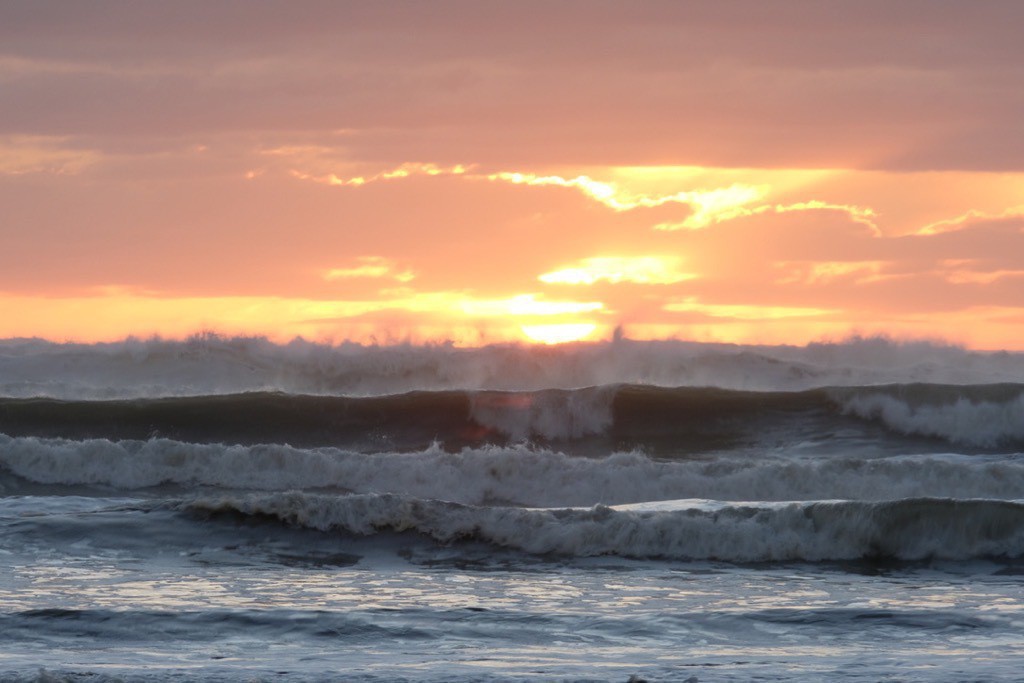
column 516, row 475
column 961, row 419
column 913, row 529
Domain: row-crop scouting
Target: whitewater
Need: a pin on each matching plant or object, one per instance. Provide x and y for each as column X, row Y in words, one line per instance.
column 232, row 509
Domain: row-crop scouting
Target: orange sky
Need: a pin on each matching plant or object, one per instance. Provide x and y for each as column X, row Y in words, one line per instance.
column 765, row 172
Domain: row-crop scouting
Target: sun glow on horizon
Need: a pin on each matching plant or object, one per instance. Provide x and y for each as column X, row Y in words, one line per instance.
column 436, row 318
column 526, row 305
column 559, row 333
column 662, row 238
column 744, row 312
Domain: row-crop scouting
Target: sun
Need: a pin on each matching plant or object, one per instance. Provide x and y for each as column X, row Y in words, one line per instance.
column 558, row 333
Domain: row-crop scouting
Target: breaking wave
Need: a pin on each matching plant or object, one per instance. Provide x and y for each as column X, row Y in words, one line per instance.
column 211, row 364
column 623, row 417
column 913, row 529
column 512, row 475
column 960, row 420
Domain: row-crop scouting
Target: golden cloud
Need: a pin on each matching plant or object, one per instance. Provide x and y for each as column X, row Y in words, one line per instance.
column 370, row 267
column 648, row 270
column 822, row 272
column 20, row 154
column 403, row 171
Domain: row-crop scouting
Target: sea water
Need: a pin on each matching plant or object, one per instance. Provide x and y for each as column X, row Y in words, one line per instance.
column 235, row 510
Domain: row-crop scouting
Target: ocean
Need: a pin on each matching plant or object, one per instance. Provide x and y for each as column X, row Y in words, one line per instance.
column 230, row 509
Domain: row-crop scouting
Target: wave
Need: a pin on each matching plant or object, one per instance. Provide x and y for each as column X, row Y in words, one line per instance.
column 912, row 529
column 661, row 420
column 390, row 421
column 140, row 626
column 960, row 419
column 512, row 475
column 210, row 364
column 375, row 625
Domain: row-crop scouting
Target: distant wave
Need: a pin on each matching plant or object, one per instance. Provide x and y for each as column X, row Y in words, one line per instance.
column 658, row 419
column 514, row 475
column 912, row 529
column 402, row 421
column 211, row 365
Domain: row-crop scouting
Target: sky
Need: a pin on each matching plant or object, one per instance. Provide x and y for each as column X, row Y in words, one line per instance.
column 770, row 171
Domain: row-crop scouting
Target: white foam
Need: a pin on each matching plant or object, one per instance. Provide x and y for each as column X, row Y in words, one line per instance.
column 550, row 414
column 974, row 423
column 908, row 530
column 516, row 475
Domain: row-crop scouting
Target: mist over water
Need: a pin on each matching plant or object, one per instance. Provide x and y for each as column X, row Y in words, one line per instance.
column 210, row 365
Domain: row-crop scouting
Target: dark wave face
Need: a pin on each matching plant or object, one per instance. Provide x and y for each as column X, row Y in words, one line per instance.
column 663, row 421
column 405, row 421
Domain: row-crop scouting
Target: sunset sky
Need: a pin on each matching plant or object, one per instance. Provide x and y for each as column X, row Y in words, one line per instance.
column 758, row 172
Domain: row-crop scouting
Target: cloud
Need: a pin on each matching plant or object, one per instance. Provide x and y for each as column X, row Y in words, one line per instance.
column 836, row 86
column 648, row 270
column 24, row 154
column 721, row 209
column 973, row 217
column 405, row 170
column 823, row 272
column 706, row 206
column 975, row 272
column 370, row 267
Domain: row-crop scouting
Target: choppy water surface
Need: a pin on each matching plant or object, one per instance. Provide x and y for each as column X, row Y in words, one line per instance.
column 227, row 509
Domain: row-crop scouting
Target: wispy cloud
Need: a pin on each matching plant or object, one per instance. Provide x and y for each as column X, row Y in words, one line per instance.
column 707, row 206
column 648, row 270
column 22, row 154
column 370, row 267
column 974, row 272
column 968, row 219
column 702, row 219
column 824, row 272
column 403, row 171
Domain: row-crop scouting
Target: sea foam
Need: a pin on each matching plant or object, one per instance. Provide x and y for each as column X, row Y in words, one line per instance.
column 514, row 475
column 962, row 421
column 913, row 529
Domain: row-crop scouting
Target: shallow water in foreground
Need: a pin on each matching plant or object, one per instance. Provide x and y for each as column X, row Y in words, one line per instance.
column 252, row 601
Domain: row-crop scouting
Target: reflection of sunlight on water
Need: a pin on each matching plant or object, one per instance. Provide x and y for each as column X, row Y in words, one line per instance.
column 546, row 621
column 544, row 591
